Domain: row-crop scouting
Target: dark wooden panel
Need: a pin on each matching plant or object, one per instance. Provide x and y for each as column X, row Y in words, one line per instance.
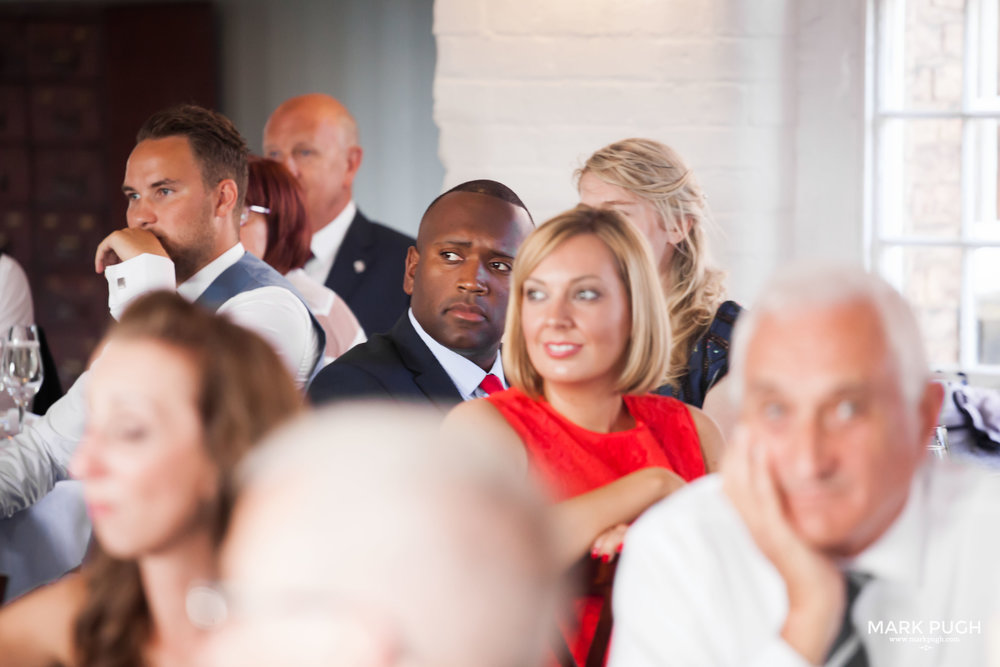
column 15, row 183
column 72, row 297
column 70, row 177
column 15, row 233
column 13, row 49
column 65, row 115
column 75, row 317
column 75, row 346
column 69, row 49
column 66, row 238
column 13, row 114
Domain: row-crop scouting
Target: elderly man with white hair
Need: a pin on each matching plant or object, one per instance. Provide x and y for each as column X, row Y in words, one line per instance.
column 828, row 538
column 363, row 537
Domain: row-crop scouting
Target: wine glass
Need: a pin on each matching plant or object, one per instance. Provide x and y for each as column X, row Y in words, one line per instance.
column 21, row 371
column 939, row 445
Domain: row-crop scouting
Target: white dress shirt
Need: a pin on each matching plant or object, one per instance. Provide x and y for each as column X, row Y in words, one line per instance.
column 15, row 295
column 693, row 588
column 465, row 375
column 15, row 306
column 327, row 241
column 34, row 460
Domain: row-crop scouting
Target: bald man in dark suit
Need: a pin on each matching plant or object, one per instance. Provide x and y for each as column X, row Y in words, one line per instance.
column 316, row 137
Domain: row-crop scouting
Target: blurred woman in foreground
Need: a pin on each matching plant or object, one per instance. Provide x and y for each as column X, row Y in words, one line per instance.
column 176, row 398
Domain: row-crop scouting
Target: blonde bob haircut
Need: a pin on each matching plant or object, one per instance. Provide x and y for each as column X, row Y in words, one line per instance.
column 646, row 357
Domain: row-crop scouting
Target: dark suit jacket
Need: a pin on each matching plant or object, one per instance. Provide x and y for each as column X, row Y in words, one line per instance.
column 368, row 271
column 396, row 365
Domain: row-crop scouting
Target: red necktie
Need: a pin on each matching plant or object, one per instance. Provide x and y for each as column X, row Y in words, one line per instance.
column 490, row 384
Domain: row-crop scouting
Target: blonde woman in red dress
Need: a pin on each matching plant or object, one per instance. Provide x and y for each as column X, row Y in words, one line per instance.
column 587, row 338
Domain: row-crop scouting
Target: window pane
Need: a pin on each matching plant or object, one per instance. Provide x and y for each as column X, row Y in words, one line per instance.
column 988, row 46
column 932, row 54
column 984, row 72
column 986, row 296
column 983, row 146
column 920, row 173
column 931, row 279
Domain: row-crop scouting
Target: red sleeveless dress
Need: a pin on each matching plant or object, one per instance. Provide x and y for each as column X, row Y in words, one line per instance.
column 570, row 460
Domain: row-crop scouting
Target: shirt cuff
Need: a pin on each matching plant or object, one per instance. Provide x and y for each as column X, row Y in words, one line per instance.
column 134, row 277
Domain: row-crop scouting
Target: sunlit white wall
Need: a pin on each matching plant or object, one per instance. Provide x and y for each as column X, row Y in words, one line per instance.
column 763, row 97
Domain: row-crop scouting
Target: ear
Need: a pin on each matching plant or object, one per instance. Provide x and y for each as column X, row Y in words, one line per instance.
column 930, row 408
column 679, row 230
column 412, row 259
column 354, row 155
column 226, row 195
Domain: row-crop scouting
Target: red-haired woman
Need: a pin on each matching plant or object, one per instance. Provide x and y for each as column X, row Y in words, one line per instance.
column 274, row 228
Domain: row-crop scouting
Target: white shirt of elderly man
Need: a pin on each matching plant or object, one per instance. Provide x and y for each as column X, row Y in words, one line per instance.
column 829, row 537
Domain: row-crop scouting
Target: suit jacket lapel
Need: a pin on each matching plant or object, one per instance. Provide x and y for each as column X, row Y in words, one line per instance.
column 353, row 254
column 428, row 374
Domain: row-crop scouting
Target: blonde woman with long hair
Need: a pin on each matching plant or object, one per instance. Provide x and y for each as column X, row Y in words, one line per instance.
column 650, row 184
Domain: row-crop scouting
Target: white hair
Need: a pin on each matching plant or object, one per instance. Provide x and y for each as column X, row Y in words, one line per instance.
column 442, row 537
column 802, row 288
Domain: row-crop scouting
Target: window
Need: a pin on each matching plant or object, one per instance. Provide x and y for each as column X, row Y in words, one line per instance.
column 935, row 216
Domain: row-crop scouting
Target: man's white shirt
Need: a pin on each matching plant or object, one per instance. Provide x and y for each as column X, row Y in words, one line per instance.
column 464, row 374
column 693, row 588
column 15, row 305
column 15, row 295
column 326, row 243
column 34, row 460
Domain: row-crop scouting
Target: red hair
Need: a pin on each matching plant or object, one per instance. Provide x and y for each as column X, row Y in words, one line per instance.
column 288, row 234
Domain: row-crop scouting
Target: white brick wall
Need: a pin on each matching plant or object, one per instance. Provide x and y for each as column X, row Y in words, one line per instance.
column 526, row 89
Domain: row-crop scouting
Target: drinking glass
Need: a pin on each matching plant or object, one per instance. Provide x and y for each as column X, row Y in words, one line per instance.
column 21, row 371
column 939, row 445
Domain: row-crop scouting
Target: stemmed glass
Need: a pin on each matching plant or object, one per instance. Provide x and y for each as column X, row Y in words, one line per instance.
column 939, row 444
column 21, row 370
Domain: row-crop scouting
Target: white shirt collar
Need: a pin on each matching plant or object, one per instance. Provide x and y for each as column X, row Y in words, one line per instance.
column 326, row 242
column 890, row 557
column 464, row 374
column 192, row 288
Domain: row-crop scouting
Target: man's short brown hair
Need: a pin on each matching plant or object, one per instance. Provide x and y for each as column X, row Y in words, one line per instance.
column 219, row 148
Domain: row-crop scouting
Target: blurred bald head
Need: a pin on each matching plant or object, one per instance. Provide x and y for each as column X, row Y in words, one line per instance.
column 316, row 137
column 410, row 548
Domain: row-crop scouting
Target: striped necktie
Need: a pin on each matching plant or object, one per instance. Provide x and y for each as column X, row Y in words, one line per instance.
column 847, row 649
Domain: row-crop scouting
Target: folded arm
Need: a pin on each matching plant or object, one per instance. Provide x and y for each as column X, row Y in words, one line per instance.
column 581, row 520
column 596, row 520
column 34, row 460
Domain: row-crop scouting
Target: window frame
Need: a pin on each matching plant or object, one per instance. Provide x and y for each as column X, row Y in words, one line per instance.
column 886, row 107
